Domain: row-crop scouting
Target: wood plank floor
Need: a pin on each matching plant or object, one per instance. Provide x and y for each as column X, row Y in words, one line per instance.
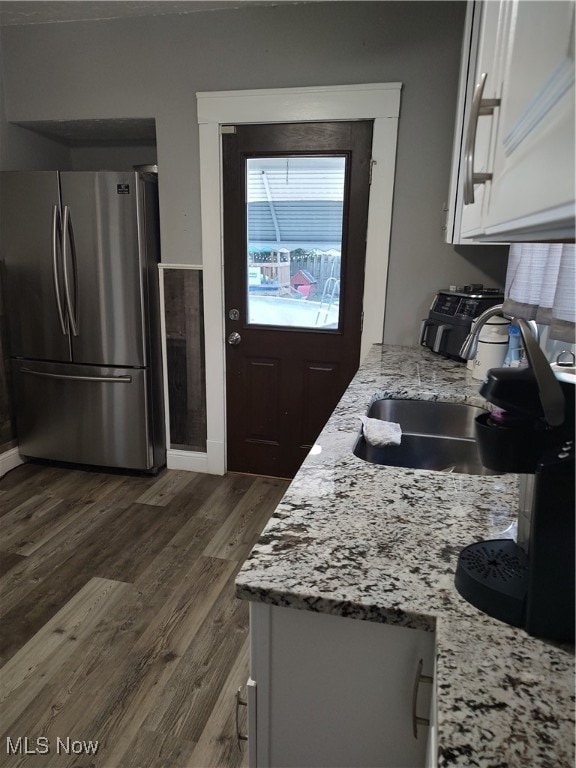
column 118, row 621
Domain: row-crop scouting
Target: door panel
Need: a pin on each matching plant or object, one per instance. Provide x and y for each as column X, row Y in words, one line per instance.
column 316, row 377
column 262, row 390
column 28, row 203
column 82, row 414
column 295, row 215
column 258, row 379
column 104, row 212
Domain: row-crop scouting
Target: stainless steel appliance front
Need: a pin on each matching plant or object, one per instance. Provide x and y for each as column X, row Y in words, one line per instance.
column 80, row 254
column 82, row 414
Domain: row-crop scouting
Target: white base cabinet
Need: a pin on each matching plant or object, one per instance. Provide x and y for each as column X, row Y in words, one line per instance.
column 338, row 692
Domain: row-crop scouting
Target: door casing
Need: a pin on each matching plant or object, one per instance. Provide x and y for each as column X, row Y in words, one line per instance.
column 374, row 101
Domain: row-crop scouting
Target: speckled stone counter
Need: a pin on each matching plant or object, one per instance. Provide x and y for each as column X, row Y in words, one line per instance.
column 381, row 543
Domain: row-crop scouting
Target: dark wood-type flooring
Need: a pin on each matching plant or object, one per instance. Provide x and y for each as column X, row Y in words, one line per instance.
column 118, row 621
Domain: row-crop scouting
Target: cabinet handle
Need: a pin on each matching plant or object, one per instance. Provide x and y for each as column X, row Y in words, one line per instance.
column 480, row 107
column 240, row 702
column 420, row 678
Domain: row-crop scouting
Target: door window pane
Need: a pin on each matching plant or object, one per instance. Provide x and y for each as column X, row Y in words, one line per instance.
column 294, row 208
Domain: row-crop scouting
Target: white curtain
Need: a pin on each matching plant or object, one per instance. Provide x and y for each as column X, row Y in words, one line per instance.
column 541, row 286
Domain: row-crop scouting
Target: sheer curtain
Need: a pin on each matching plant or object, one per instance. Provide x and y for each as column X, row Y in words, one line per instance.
column 541, row 286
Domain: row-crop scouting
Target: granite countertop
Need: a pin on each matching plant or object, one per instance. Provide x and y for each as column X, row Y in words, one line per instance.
column 378, row 543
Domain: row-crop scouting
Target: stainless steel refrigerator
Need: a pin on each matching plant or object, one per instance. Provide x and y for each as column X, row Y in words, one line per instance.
column 79, row 253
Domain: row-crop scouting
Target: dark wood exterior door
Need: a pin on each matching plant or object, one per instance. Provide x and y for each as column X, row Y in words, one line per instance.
column 295, row 217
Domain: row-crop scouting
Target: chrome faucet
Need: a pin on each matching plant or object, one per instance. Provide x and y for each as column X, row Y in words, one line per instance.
column 549, row 389
column 470, row 346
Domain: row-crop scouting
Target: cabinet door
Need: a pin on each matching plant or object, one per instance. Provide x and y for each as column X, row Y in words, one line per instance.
column 493, row 21
column 337, row 692
column 453, row 210
column 532, row 191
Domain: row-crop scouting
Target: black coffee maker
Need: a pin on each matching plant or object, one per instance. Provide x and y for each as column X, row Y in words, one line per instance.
column 528, row 583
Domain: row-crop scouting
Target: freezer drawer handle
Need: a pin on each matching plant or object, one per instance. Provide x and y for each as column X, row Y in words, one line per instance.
column 103, row 379
column 55, row 223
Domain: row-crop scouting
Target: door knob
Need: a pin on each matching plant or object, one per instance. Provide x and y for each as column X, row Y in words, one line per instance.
column 234, row 338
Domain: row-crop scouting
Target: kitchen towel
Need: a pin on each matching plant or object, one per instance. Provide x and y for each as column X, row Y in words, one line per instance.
column 379, row 432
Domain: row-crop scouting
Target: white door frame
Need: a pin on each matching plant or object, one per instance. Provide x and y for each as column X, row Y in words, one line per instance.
column 373, row 101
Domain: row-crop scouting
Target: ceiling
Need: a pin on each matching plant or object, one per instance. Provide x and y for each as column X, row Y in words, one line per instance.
column 95, row 132
column 20, row 12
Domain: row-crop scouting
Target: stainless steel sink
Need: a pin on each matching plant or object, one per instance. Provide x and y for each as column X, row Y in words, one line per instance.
column 428, row 417
column 437, row 436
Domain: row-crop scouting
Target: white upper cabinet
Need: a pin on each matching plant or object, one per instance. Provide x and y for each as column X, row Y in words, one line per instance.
column 533, row 186
column 513, row 176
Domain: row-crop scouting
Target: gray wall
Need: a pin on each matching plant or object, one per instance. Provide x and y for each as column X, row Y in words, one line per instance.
column 152, row 67
column 24, row 150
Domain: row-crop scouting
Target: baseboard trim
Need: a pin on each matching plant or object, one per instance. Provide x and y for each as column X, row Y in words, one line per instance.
column 10, row 459
column 189, row 461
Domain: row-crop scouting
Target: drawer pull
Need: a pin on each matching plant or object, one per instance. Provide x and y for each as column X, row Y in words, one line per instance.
column 420, row 678
column 240, row 702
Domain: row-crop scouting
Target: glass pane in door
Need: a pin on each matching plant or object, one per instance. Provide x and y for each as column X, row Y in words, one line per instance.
column 294, row 210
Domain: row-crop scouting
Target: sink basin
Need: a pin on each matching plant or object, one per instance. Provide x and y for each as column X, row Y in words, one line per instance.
column 428, row 417
column 441, row 454
column 436, row 436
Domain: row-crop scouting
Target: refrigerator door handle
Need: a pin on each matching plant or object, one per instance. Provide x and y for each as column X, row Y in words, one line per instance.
column 68, row 236
column 103, row 379
column 55, row 239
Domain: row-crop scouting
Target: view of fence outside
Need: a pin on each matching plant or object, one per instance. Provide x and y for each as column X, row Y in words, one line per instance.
column 320, row 265
column 294, row 212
